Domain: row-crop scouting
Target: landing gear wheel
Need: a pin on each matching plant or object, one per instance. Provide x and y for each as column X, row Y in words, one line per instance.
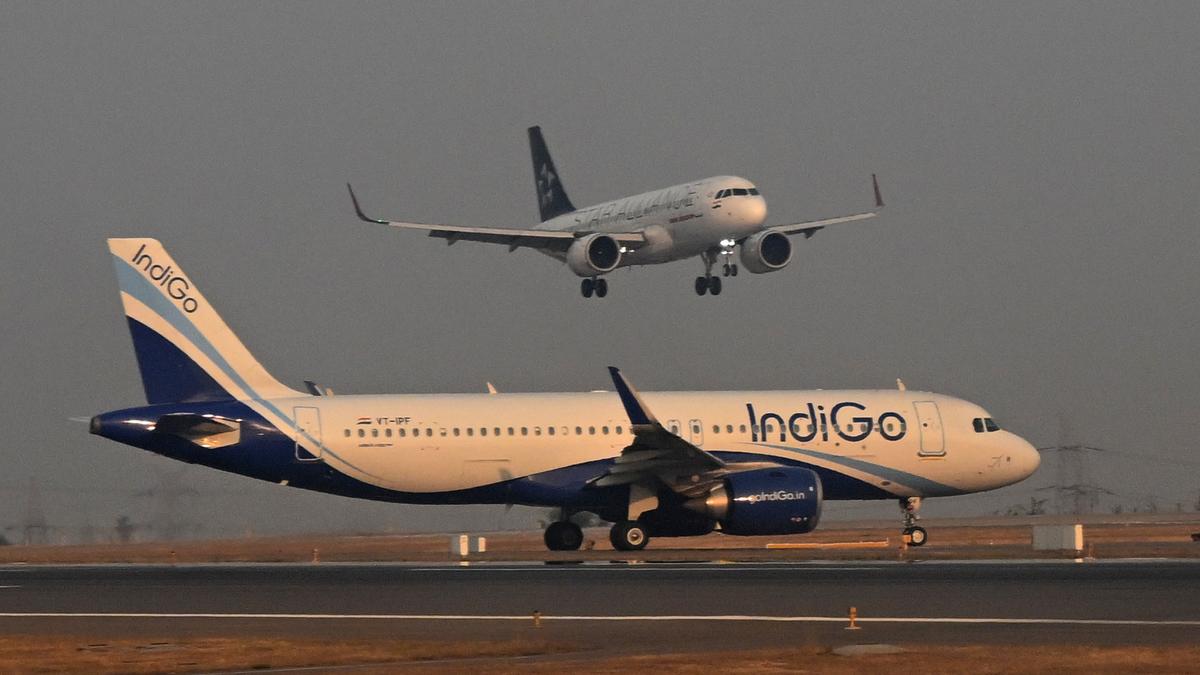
column 586, row 287
column 916, row 536
column 628, row 535
column 733, row 270
column 563, row 535
column 601, row 288
column 701, row 285
column 714, row 285
column 725, row 271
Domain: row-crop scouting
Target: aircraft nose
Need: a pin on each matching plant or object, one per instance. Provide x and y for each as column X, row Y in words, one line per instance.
column 1026, row 457
column 756, row 210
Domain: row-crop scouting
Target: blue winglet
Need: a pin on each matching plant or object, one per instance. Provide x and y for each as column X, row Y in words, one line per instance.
column 634, row 407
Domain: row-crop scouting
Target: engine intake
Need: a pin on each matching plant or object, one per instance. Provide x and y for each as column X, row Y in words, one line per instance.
column 764, row 502
column 593, row 254
column 766, row 252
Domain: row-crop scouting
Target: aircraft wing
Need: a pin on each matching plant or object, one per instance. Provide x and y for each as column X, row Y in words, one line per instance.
column 809, row 228
column 656, row 455
column 555, row 240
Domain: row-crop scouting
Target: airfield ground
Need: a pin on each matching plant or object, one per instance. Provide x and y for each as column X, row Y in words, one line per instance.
column 1131, row 536
column 146, row 607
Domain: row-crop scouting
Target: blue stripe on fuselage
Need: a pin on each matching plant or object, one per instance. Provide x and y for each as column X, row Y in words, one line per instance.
column 267, row 454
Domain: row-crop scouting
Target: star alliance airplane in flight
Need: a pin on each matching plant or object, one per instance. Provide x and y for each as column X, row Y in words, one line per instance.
column 664, row 464
column 709, row 218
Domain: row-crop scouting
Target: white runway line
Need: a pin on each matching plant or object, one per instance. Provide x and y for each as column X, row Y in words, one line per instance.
column 621, row 569
column 668, row 617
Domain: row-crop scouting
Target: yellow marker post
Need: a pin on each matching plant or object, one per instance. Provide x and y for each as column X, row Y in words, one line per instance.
column 316, row 555
column 853, row 620
column 537, row 619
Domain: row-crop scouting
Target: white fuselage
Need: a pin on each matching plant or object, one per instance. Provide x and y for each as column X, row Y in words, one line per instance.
column 908, row 444
column 679, row 222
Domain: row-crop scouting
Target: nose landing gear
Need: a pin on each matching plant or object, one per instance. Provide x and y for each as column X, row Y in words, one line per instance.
column 563, row 535
column 915, row 533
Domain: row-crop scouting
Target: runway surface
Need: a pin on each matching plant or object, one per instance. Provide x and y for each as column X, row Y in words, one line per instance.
column 634, row 607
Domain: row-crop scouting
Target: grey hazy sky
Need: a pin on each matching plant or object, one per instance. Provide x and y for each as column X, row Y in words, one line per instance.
column 1038, row 254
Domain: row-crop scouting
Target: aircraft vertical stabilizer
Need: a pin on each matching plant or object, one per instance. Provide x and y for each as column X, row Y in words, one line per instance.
column 185, row 351
column 552, row 198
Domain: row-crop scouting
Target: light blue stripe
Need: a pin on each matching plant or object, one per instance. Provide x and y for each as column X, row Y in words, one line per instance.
column 894, row 475
column 132, row 282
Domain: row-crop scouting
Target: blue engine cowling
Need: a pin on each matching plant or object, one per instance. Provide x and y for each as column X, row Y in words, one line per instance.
column 767, row 501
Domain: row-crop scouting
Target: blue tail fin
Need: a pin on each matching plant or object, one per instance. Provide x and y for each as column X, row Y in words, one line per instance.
column 184, row 350
column 552, row 198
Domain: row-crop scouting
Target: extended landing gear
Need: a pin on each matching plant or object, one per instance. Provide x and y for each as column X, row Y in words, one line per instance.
column 597, row 286
column 628, row 535
column 709, row 283
column 729, row 270
column 915, row 533
column 563, row 535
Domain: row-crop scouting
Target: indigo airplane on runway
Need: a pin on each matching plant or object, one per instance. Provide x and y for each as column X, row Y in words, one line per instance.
column 667, row 464
column 709, row 218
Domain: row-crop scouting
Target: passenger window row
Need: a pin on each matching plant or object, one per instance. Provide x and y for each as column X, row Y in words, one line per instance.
column 403, row 432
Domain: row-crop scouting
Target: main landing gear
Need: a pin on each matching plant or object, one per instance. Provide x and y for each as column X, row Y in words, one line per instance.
column 709, row 283
column 628, row 535
column 915, row 533
column 563, row 535
column 599, row 286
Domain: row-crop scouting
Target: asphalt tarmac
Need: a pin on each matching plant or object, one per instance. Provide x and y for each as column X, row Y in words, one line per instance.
column 621, row 607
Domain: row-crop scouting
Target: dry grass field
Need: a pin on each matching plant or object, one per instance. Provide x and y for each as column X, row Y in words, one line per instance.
column 58, row 654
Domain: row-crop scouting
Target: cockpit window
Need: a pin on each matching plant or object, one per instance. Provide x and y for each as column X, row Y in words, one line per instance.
column 739, row 192
column 722, row 194
column 984, row 424
column 753, row 191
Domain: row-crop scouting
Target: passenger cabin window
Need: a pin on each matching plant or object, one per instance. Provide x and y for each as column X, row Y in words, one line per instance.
column 347, row 433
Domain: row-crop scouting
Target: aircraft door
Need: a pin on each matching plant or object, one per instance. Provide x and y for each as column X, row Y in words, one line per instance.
column 308, row 433
column 697, row 429
column 933, row 441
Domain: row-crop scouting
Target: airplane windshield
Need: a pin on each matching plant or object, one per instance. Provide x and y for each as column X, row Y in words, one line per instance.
column 736, row 192
column 984, row 425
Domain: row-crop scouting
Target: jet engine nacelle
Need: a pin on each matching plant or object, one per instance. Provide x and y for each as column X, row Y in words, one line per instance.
column 766, row 252
column 765, row 501
column 593, row 254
